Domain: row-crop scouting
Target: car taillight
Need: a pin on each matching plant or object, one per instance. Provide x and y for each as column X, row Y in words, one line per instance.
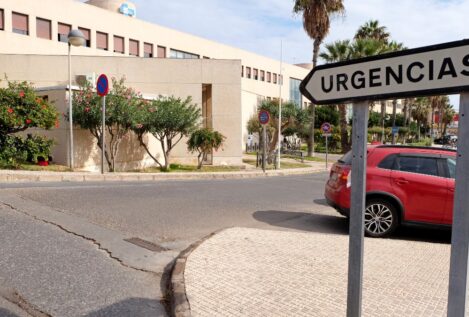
column 344, row 175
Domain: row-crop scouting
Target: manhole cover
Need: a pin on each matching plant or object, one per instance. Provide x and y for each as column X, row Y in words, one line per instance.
column 146, row 244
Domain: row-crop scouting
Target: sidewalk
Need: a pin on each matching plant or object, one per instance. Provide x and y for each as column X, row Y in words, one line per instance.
column 253, row 272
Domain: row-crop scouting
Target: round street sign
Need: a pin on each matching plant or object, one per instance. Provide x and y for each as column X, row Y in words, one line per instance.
column 102, row 85
column 326, row 128
column 264, row 117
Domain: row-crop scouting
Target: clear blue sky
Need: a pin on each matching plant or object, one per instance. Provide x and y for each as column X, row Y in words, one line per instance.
column 259, row 25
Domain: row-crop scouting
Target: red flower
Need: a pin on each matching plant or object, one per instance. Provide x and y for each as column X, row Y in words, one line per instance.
column 57, row 123
column 87, row 109
column 28, row 121
column 21, row 94
column 10, row 110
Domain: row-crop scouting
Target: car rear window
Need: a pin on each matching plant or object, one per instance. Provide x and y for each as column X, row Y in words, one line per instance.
column 346, row 159
column 388, row 162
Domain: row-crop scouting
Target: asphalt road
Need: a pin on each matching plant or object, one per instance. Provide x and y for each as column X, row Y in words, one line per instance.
column 65, row 249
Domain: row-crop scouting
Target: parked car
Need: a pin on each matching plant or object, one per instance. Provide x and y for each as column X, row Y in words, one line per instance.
column 403, row 185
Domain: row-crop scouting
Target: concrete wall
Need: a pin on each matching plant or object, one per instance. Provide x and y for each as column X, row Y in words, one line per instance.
column 153, row 77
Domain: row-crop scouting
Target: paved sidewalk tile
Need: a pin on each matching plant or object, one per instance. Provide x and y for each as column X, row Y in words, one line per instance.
column 252, row 272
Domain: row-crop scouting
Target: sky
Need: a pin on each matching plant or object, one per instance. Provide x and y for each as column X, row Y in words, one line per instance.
column 260, row 25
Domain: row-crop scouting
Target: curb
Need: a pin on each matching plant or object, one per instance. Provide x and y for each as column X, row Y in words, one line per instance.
column 180, row 306
column 7, row 176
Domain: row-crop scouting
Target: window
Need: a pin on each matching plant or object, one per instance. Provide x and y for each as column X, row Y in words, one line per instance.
column 161, row 52
column 388, row 162
column 64, row 29
column 20, row 23
column 43, row 29
column 269, row 77
column 147, row 50
column 181, row 54
column 255, row 74
column 275, row 78
column 206, row 57
column 87, row 35
column 451, row 167
column 248, row 72
column 2, row 26
column 262, row 75
column 133, row 48
column 295, row 94
column 118, row 44
column 101, row 41
column 420, row 165
column 242, row 71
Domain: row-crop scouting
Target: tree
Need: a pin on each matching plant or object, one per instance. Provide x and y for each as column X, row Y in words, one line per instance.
column 168, row 120
column 420, row 111
column 316, row 23
column 122, row 104
column 372, row 30
column 204, row 141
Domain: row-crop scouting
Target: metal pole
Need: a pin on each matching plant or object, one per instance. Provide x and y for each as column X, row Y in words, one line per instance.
column 280, row 106
column 103, row 142
column 327, row 138
column 457, row 293
column 70, row 110
column 264, row 142
column 357, row 208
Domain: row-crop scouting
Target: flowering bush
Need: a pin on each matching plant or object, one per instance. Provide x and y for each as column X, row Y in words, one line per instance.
column 122, row 104
column 204, row 141
column 21, row 109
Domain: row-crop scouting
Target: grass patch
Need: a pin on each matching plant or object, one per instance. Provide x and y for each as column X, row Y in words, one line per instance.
column 283, row 165
column 34, row 167
column 180, row 168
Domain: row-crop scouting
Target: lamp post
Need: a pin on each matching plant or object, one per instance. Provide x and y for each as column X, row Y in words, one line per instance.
column 75, row 38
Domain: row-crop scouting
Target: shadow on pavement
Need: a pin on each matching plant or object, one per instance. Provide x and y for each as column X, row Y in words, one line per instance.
column 322, row 202
column 141, row 307
column 422, row 234
column 303, row 221
column 6, row 313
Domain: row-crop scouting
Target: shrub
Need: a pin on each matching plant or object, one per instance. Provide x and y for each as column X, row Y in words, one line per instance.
column 204, row 141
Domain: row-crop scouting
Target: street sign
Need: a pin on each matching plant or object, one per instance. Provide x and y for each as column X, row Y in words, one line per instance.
column 102, row 85
column 432, row 70
column 395, row 130
column 326, row 128
column 264, row 117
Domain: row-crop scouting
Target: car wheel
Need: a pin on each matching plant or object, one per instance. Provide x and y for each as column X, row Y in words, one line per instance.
column 380, row 218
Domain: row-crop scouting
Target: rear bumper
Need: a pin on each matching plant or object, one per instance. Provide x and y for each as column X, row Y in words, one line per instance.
column 341, row 210
column 338, row 198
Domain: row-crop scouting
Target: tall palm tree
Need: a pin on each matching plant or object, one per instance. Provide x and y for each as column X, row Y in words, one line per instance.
column 420, row 111
column 447, row 115
column 316, row 22
column 372, row 30
column 336, row 52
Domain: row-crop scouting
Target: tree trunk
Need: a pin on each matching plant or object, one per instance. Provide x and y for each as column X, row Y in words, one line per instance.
column 316, row 45
column 383, row 116
column 344, row 142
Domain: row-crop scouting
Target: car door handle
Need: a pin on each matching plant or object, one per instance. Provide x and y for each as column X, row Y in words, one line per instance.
column 451, row 190
column 401, row 181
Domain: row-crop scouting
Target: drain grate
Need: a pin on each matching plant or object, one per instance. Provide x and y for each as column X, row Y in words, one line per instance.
column 146, row 244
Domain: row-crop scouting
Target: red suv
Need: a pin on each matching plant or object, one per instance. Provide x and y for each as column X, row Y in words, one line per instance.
column 403, row 185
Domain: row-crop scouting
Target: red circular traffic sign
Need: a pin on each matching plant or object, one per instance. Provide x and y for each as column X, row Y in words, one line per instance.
column 264, row 116
column 102, row 85
column 326, row 127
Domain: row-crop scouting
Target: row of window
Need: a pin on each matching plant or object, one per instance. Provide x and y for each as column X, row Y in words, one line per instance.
column 254, row 73
column 20, row 25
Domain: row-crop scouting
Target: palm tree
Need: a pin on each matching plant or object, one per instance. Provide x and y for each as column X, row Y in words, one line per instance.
column 372, row 30
column 420, row 111
column 316, row 22
column 447, row 116
column 337, row 52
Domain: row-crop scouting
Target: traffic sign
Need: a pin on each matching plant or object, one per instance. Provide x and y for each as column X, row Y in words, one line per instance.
column 102, row 85
column 432, row 70
column 395, row 130
column 326, row 128
column 264, row 116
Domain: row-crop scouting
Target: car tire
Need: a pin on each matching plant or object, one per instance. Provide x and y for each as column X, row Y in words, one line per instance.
column 380, row 218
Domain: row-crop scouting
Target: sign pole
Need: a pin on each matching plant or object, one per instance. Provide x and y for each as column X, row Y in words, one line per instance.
column 457, row 303
column 357, row 209
column 264, row 139
column 327, row 137
column 103, row 143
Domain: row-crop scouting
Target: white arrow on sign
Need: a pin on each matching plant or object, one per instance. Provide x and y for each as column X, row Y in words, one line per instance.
column 431, row 70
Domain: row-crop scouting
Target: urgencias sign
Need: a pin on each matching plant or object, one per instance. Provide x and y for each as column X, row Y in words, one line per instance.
column 432, row 70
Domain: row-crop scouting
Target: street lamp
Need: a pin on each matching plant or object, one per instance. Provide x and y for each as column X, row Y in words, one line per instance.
column 75, row 38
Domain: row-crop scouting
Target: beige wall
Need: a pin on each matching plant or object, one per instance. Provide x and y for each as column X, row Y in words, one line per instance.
column 155, row 77
column 98, row 19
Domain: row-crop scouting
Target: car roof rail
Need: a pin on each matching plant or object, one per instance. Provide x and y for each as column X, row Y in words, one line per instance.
column 416, row 147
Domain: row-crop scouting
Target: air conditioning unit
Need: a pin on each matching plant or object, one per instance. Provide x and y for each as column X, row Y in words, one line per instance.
column 83, row 79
